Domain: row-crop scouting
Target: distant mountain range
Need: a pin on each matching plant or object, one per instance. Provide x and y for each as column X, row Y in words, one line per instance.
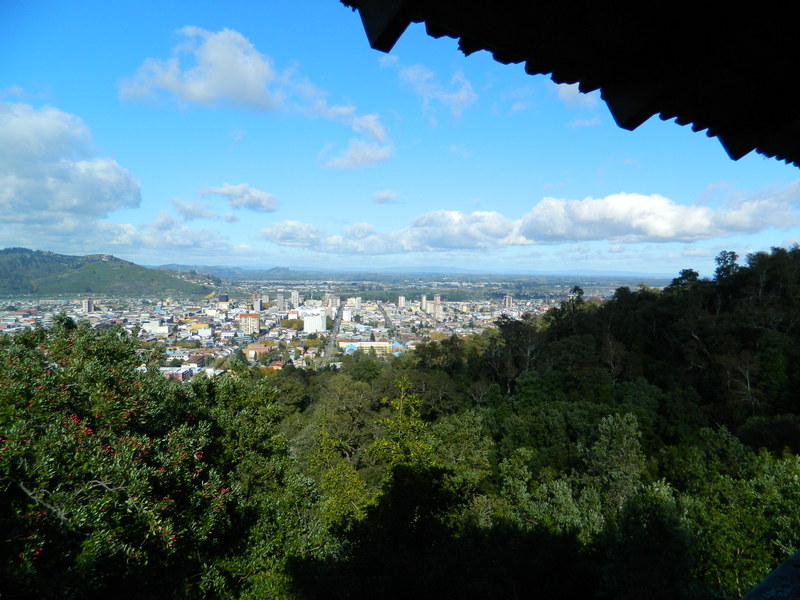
column 380, row 273
column 238, row 273
column 24, row 271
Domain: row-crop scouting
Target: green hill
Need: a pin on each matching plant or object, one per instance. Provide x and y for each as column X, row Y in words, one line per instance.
column 24, row 271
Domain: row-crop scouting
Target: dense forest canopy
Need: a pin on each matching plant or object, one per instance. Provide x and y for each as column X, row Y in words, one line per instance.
column 641, row 447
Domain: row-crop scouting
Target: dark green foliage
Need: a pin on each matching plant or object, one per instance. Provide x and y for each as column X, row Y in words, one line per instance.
column 639, row 448
column 120, row 483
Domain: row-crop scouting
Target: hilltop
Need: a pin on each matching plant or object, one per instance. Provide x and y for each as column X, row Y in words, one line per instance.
column 243, row 274
column 24, row 271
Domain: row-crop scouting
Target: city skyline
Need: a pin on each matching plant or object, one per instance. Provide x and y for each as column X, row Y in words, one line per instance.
column 272, row 135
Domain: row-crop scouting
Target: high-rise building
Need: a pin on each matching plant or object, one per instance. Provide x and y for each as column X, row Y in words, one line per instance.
column 279, row 303
column 249, row 323
column 314, row 322
column 257, row 304
column 507, row 301
column 88, row 305
column 437, row 307
column 423, row 303
column 401, row 302
column 295, row 298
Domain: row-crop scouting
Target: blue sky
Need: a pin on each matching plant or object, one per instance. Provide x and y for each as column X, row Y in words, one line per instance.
column 270, row 133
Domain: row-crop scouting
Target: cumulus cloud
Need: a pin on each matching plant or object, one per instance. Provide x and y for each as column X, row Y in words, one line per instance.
column 55, row 194
column 752, row 215
column 356, row 239
column 164, row 236
column 385, row 197
column 244, row 196
column 570, row 95
column 619, row 219
column 294, row 233
column 442, row 229
column 48, row 173
column 755, row 211
column 358, row 231
column 359, row 154
column 191, row 210
column 433, row 231
column 168, row 233
column 224, row 68
column 631, row 218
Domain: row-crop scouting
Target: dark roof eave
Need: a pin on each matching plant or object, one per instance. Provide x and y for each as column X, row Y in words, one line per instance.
column 706, row 85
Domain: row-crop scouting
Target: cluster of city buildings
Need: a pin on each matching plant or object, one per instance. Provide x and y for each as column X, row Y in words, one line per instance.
column 275, row 329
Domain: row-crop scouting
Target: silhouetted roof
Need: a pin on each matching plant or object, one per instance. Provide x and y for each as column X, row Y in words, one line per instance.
column 731, row 73
column 782, row 584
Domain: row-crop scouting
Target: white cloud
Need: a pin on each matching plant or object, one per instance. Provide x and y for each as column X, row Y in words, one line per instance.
column 293, row 233
column 56, row 195
column 570, row 95
column 166, row 232
column 360, row 154
column 191, row 210
column 224, row 68
column 385, row 197
column 163, row 238
column 308, row 99
column 749, row 216
column 434, row 231
column 630, row 218
column 244, row 196
column 770, row 207
column 618, row 218
column 442, row 229
column 358, row 231
column 456, row 96
column 48, row 173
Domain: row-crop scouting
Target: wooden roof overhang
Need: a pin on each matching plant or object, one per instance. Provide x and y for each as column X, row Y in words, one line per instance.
column 732, row 75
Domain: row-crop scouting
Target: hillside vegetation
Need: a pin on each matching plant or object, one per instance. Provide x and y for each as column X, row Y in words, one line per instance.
column 25, row 271
column 644, row 447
